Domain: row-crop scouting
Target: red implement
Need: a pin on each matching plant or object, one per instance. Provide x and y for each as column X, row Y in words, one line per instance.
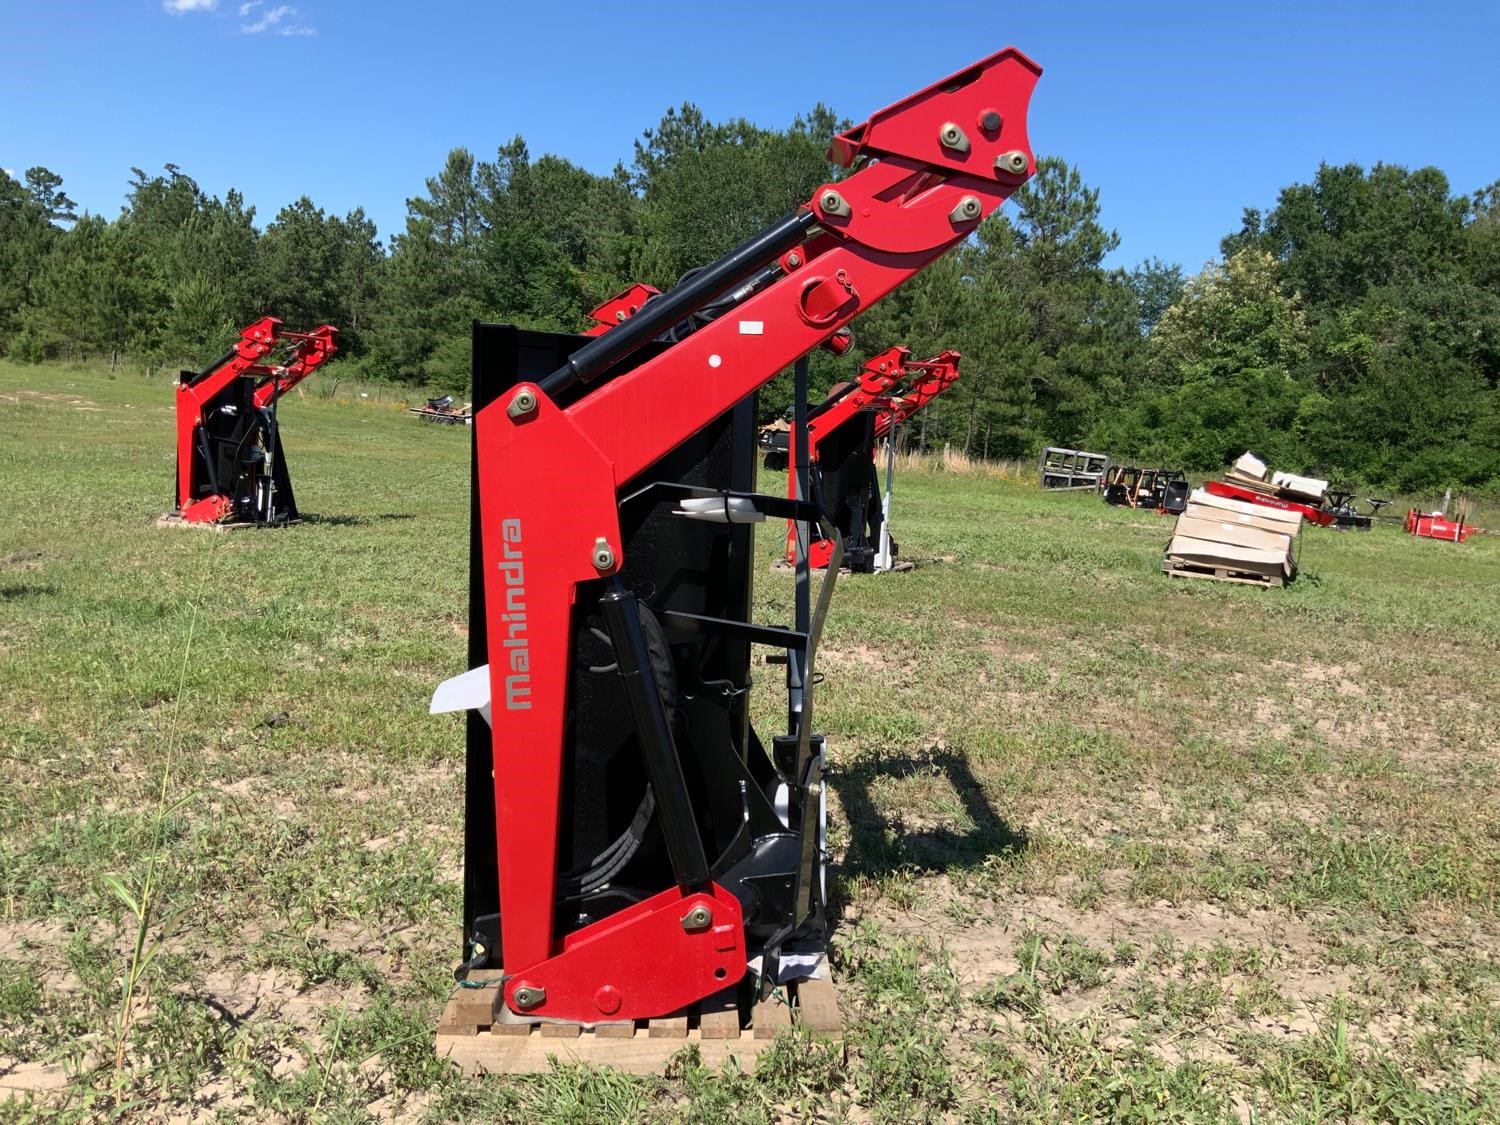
column 1434, row 526
column 620, row 308
column 556, row 460
column 228, row 462
column 1234, row 492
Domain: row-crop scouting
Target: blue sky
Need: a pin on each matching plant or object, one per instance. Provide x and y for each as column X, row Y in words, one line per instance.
column 1182, row 114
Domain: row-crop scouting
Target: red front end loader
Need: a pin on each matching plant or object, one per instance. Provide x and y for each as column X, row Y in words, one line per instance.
column 229, row 464
column 842, row 435
column 632, row 845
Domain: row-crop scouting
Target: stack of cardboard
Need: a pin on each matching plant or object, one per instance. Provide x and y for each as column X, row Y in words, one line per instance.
column 1253, row 473
column 1232, row 541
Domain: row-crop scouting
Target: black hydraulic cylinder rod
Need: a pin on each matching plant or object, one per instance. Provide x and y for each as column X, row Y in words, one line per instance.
column 661, row 313
column 210, row 369
column 206, row 453
column 674, row 806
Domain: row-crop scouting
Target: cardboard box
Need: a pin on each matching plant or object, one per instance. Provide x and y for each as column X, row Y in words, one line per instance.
column 1310, row 487
column 1255, row 484
column 1293, row 520
column 1244, row 519
column 1227, row 531
column 1251, row 466
column 1254, row 560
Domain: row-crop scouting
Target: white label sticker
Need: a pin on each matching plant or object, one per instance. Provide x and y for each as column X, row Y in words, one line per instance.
column 752, row 327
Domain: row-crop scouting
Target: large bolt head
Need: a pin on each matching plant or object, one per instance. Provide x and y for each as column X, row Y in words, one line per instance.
column 833, row 203
column 698, row 918
column 951, row 136
column 604, row 554
column 608, row 999
column 522, row 404
column 1013, row 163
column 968, row 209
column 528, row 996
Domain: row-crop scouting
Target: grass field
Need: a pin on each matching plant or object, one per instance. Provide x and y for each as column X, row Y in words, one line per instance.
column 1110, row 847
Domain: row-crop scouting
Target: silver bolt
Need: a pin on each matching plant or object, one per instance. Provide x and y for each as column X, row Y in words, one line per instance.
column 620, row 315
column 953, row 137
column 793, row 260
column 968, row 208
column 604, row 554
column 529, row 996
column 698, row 918
column 833, row 203
column 522, row 404
column 1015, row 163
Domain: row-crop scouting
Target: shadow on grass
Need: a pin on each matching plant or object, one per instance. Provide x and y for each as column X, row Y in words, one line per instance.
column 881, row 845
column 355, row 521
column 18, row 590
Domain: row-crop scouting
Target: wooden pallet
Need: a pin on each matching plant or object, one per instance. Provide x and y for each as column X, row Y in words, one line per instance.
column 172, row 519
column 1181, row 568
column 468, row 1035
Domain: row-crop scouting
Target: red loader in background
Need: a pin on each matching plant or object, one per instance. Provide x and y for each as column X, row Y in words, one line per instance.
column 841, row 437
column 229, row 464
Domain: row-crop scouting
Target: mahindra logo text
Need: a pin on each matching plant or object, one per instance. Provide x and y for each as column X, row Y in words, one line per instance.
column 517, row 647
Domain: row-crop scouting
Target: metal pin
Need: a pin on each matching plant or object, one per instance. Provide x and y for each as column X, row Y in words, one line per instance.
column 1015, row 163
column 833, row 203
column 953, row 137
column 522, row 404
column 529, row 996
column 968, row 208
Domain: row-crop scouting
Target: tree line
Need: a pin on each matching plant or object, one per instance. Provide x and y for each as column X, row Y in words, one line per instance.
column 1353, row 330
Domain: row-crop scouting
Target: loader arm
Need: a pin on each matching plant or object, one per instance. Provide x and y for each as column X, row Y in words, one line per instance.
column 560, row 457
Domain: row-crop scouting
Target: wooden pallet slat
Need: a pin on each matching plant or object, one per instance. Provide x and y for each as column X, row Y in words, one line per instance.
column 469, row 1038
column 674, row 1026
column 172, row 519
column 1181, row 568
column 720, row 1016
column 772, row 1014
column 818, row 1008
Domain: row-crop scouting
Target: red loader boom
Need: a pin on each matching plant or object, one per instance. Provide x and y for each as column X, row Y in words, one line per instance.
column 841, row 437
column 229, row 463
column 932, row 378
column 631, row 844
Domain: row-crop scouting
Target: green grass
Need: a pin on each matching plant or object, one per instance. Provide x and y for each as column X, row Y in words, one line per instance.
column 1110, row 846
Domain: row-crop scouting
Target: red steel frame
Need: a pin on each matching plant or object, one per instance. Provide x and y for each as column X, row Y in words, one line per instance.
column 880, row 376
column 550, row 480
column 310, row 350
